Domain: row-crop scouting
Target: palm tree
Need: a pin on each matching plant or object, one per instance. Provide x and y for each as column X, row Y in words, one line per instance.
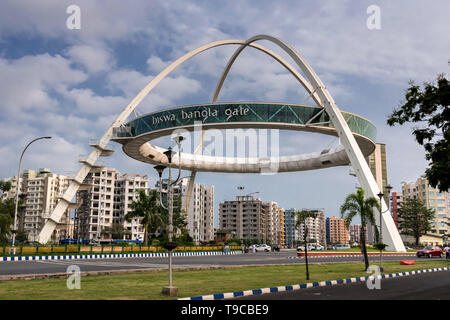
column 147, row 208
column 355, row 204
column 301, row 219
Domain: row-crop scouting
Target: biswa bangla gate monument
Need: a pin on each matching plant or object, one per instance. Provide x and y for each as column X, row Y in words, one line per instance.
column 356, row 134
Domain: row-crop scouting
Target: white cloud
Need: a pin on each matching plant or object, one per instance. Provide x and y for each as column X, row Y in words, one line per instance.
column 93, row 59
column 30, row 79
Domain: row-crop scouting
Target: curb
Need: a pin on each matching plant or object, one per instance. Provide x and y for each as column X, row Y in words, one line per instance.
column 351, row 255
column 220, row 296
column 114, row 256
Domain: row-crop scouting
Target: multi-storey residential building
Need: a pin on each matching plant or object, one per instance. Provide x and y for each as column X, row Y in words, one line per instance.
column 315, row 226
column 355, row 233
column 337, row 232
column 282, row 226
column 252, row 219
column 200, row 214
column 273, row 222
column 106, row 196
column 396, row 200
column 40, row 192
column 290, row 231
column 432, row 199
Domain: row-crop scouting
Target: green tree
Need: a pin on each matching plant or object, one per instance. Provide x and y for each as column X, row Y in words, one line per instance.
column 146, row 208
column 430, row 106
column 5, row 227
column 300, row 219
column 7, row 208
column 179, row 219
column 21, row 236
column 117, row 231
column 5, row 185
column 356, row 205
column 414, row 219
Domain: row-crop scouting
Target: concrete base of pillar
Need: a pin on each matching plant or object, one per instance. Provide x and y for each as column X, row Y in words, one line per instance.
column 170, row 291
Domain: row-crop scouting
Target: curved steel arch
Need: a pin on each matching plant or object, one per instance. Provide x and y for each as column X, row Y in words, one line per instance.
column 355, row 155
column 326, row 101
column 66, row 200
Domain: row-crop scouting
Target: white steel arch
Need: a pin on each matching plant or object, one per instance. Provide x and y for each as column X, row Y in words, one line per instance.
column 66, row 200
column 316, row 89
column 360, row 166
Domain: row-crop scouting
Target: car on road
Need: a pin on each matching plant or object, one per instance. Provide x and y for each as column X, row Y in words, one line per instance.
column 263, row 247
column 430, row 252
column 311, row 247
column 341, row 246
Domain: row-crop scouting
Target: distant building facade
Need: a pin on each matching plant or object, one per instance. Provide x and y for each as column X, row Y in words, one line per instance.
column 432, row 199
column 200, row 214
column 105, row 198
column 252, row 219
column 355, row 233
column 336, row 230
column 315, row 226
column 40, row 192
column 396, row 200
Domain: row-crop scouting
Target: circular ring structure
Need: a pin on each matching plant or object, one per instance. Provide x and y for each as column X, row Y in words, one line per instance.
column 243, row 115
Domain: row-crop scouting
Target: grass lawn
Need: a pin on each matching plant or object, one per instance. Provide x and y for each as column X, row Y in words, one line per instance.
column 148, row 285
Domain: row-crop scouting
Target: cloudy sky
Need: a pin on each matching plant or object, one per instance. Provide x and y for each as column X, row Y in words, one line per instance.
column 72, row 83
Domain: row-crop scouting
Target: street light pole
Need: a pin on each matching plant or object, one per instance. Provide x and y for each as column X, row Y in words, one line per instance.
column 170, row 290
column 17, row 187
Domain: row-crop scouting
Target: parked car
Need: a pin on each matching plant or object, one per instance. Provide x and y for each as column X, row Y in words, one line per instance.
column 311, row 247
column 341, row 246
column 263, row 247
column 430, row 252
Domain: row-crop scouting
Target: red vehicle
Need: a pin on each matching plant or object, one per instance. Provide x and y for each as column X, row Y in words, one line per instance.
column 430, row 252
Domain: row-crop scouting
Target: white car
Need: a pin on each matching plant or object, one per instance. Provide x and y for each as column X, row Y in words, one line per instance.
column 263, row 247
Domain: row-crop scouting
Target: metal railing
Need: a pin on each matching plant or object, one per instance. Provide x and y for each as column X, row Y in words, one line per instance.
column 80, row 249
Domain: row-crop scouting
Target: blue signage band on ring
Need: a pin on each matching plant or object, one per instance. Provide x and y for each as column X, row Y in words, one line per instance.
column 136, row 133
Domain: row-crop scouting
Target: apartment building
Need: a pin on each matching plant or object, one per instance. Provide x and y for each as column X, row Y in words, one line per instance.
column 336, row 230
column 252, row 219
column 355, row 233
column 40, row 192
column 200, row 214
column 432, row 199
column 105, row 199
column 315, row 226
column 396, row 200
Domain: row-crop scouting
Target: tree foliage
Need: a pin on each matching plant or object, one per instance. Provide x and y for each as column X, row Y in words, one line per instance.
column 356, row 205
column 414, row 219
column 430, row 106
column 147, row 208
column 5, row 186
column 117, row 231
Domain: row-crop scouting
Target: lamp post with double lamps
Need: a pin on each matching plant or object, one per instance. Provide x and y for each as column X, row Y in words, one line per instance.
column 380, row 195
column 170, row 290
column 17, row 188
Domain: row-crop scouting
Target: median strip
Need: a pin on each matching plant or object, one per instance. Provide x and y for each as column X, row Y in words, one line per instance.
column 114, row 256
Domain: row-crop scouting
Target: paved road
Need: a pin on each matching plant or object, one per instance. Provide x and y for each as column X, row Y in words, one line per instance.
column 260, row 258
column 427, row 286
